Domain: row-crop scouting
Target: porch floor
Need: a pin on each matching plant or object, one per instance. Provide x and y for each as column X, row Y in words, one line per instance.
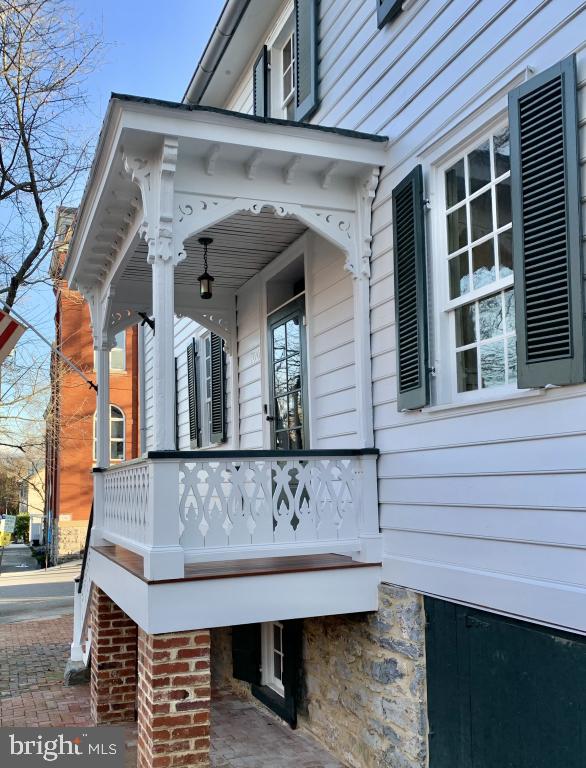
column 223, row 569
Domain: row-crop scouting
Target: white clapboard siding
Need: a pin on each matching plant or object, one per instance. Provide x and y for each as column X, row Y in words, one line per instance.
column 482, row 503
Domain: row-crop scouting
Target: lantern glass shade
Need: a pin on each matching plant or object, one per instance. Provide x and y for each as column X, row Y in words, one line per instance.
column 205, row 285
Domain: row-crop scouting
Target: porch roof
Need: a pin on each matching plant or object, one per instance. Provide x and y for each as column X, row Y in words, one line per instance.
column 207, row 141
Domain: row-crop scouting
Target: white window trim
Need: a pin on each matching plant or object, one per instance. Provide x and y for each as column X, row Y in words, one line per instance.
column 123, row 348
column 282, row 31
column 443, row 329
column 268, row 670
column 111, row 439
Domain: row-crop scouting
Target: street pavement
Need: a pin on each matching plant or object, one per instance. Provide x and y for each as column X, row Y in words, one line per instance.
column 28, row 593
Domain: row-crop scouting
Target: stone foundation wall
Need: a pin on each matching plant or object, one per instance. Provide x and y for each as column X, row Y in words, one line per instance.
column 363, row 682
column 364, row 678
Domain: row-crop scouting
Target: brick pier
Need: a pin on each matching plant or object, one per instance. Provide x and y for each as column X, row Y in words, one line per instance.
column 173, row 699
column 113, row 675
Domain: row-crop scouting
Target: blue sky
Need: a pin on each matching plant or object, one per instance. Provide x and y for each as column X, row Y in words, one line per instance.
column 151, row 49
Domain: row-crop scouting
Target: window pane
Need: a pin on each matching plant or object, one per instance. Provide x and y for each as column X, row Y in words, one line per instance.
column 492, row 363
column 294, row 372
column 490, row 317
column 296, row 440
column 117, row 359
column 503, row 202
column 502, row 152
column 293, row 335
column 277, row 637
column 117, row 429
column 512, row 359
column 483, row 266
column 510, row 310
column 506, row 253
column 466, row 325
column 117, row 450
column 280, row 378
column 281, row 414
column 296, row 409
column 277, row 666
column 287, row 55
column 457, row 229
column 455, row 184
column 281, row 441
column 459, row 277
column 481, row 215
column 279, row 348
column 467, row 369
column 479, row 167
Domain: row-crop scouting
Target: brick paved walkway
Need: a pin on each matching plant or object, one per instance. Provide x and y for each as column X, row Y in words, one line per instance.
column 32, row 659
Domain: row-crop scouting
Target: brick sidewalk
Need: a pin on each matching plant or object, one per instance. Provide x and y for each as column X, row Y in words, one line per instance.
column 32, row 660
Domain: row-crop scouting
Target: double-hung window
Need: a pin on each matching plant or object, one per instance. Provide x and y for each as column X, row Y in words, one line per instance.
column 478, row 265
column 288, row 77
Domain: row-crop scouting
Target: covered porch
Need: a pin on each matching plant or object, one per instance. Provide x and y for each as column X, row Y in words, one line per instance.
column 266, row 193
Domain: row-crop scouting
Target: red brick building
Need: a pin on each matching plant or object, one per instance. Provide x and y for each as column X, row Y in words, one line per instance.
column 70, row 415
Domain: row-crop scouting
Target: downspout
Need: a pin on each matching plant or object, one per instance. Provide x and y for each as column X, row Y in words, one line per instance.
column 141, row 393
column 229, row 20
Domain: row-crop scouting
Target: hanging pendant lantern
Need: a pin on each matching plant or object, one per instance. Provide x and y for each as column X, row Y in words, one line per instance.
column 205, row 280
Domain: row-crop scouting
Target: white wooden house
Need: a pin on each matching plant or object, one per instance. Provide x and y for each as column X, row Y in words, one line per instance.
column 381, row 408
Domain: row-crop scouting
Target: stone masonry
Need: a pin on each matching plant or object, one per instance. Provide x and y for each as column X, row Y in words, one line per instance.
column 173, row 699
column 363, row 682
column 365, row 694
column 113, row 669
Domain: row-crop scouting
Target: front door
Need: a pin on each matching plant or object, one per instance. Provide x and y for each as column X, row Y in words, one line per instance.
column 288, row 385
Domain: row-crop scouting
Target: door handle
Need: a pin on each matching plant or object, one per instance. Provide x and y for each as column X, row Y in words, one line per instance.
column 268, row 416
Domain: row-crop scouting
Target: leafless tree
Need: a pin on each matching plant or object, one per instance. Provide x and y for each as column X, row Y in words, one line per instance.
column 45, row 55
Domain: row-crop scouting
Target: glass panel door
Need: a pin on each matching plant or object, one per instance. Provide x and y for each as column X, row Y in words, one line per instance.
column 287, row 378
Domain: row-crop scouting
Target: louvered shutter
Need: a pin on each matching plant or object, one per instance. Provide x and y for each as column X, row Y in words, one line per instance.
column 260, row 79
column 246, row 652
column 218, row 422
column 410, row 293
column 193, row 395
column 387, row 10
column 547, row 261
column 306, row 52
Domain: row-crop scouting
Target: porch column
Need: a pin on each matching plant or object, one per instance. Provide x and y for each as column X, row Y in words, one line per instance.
column 164, row 353
column 102, row 354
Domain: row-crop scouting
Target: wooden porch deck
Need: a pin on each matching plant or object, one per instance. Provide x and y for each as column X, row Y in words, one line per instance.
column 224, row 569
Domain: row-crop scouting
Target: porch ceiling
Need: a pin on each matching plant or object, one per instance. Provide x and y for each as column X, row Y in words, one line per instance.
column 243, row 245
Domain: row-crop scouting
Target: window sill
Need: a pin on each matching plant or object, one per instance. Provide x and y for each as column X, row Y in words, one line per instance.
column 492, row 399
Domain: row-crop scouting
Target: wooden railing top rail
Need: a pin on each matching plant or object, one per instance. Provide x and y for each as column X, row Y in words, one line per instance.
column 226, row 454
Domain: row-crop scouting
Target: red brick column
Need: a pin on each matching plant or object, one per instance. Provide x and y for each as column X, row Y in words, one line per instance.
column 114, row 649
column 173, row 699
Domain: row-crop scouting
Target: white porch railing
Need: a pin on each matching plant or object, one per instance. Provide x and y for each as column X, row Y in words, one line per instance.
column 183, row 507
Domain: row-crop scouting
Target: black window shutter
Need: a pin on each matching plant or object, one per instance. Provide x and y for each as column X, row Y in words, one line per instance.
column 260, row 88
column 246, row 653
column 193, row 395
column 218, row 425
column 410, row 292
column 547, row 260
column 387, row 10
column 306, row 58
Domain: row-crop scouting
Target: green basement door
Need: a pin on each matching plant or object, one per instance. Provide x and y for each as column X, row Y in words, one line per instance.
column 503, row 693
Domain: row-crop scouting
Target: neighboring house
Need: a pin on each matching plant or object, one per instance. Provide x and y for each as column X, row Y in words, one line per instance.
column 70, row 451
column 32, row 502
column 362, row 500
